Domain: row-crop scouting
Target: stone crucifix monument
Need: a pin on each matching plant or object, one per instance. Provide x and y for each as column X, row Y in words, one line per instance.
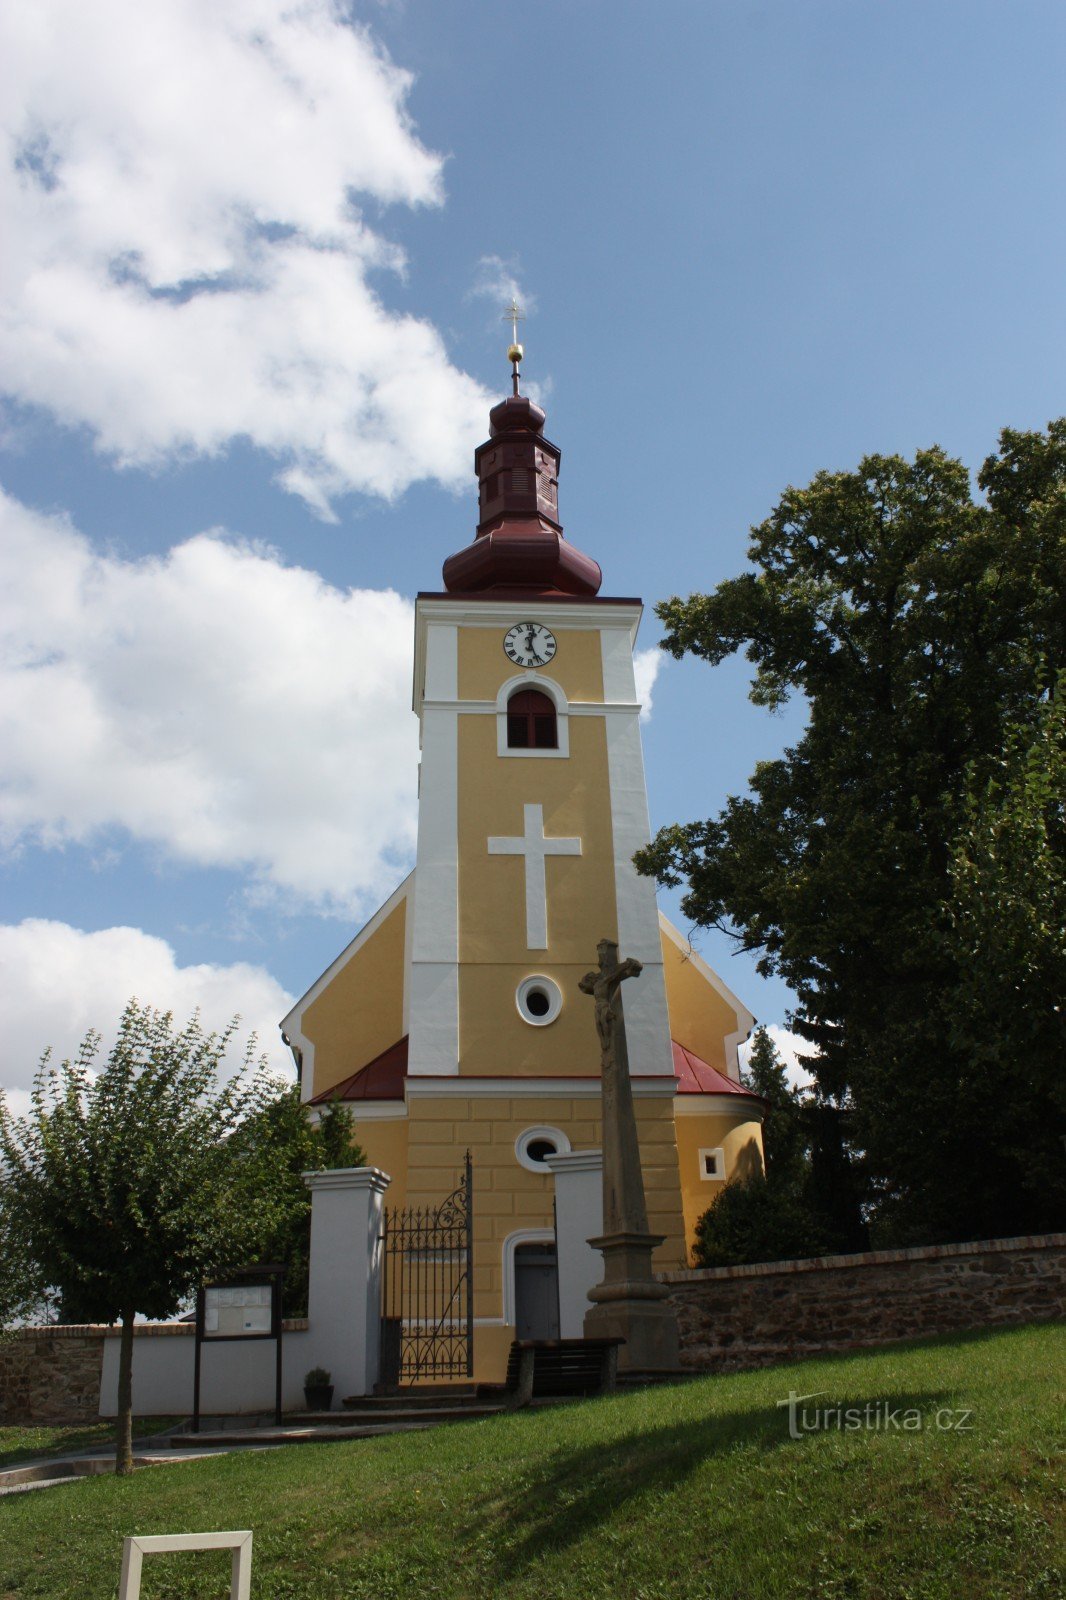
column 629, row 1303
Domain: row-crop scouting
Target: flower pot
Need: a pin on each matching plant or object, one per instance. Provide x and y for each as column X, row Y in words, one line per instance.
column 318, row 1396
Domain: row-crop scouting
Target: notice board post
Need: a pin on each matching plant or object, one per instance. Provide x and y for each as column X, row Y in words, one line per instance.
column 246, row 1306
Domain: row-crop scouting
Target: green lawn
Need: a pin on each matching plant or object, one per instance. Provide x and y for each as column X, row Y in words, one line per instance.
column 25, row 1444
column 691, row 1491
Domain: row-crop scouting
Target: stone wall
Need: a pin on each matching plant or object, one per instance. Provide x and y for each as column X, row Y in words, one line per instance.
column 736, row 1317
column 51, row 1374
column 67, row 1373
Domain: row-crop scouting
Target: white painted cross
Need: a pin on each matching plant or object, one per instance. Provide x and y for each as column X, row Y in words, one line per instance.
column 534, row 846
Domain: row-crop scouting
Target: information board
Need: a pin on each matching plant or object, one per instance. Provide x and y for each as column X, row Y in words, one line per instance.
column 238, row 1310
column 247, row 1307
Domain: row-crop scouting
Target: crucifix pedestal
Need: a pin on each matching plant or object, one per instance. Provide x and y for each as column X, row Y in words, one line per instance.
column 629, row 1303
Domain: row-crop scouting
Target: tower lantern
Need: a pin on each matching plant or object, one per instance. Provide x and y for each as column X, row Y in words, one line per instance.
column 519, row 542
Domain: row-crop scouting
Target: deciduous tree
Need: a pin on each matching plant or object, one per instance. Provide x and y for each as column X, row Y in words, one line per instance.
column 920, row 624
column 286, row 1143
column 127, row 1185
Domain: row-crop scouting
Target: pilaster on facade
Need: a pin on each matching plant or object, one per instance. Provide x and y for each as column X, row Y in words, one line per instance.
column 434, row 976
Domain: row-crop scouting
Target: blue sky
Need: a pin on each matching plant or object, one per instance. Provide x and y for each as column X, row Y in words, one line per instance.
column 250, row 331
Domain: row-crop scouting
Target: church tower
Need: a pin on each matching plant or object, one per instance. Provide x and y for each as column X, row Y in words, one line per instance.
column 453, row 1021
column 532, row 796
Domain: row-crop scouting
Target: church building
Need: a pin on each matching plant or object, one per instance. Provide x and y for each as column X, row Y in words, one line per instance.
column 453, row 1021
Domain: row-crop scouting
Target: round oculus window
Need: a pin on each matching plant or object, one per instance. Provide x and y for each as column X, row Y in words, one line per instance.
column 538, row 1150
column 539, row 1000
column 535, row 1145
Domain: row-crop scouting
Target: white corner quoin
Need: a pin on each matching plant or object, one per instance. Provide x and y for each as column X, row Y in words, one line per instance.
column 134, row 1551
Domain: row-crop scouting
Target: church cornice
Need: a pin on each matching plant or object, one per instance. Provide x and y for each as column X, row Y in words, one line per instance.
column 560, row 612
column 583, row 1088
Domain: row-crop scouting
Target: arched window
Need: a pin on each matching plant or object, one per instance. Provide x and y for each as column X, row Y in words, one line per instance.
column 531, row 722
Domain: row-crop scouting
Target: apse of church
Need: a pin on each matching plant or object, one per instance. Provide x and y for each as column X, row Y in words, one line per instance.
column 453, row 1020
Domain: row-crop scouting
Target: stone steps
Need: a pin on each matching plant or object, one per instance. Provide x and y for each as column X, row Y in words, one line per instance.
column 363, row 1417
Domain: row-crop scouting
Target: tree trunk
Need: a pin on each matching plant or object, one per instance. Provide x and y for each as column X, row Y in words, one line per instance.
column 124, row 1427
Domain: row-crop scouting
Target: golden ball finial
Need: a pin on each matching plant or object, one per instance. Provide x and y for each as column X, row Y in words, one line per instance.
column 515, row 353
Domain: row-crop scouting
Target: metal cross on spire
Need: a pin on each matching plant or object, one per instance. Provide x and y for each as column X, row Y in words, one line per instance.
column 514, row 316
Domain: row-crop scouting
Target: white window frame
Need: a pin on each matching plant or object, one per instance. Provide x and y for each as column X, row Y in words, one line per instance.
column 539, row 980
column 718, row 1175
column 546, row 686
column 529, row 1136
column 510, row 1250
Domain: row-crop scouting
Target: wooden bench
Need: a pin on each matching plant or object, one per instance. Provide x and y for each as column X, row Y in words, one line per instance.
column 539, row 1367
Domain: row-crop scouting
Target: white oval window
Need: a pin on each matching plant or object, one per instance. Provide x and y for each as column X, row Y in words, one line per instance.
column 539, row 1000
column 535, row 1144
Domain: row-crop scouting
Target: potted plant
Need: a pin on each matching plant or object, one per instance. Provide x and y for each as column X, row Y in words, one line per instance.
column 318, row 1390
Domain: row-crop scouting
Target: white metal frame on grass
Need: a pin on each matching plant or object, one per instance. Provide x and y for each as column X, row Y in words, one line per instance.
column 137, row 1547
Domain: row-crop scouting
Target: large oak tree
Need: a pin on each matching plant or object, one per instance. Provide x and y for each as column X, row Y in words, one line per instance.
column 923, row 625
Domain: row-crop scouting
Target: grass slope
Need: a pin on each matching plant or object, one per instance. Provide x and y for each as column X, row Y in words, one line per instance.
column 694, row 1491
column 31, row 1444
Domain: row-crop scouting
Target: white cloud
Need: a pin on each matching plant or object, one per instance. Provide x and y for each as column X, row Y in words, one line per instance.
column 57, row 982
column 185, row 260
column 236, row 712
column 789, row 1047
column 646, row 664
column 496, row 280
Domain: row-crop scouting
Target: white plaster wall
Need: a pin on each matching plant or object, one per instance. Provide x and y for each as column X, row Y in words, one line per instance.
column 578, row 1217
column 434, row 1014
column 342, row 1333
column 235, row 1378
column 644, row 999
column 344, row 1297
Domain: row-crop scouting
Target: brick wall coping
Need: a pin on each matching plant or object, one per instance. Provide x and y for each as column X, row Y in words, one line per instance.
column 143, row 1330
column 868, row 1258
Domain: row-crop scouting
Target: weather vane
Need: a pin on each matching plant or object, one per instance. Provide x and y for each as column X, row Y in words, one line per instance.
column 514, row 316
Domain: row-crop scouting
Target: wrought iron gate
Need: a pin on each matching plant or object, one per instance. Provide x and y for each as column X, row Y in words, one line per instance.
column 427, row 1289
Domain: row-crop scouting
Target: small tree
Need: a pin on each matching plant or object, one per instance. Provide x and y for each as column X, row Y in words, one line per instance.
column 753, row 1219
column 125, row 1187
column 783, row 1136
column 806, row 1202
column 286, row 1144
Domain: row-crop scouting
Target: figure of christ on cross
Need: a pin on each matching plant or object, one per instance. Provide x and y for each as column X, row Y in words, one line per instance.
column 624, row 1207
column 630, row 1304
column 534, row 847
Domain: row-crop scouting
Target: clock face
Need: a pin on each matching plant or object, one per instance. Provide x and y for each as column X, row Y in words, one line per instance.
column 529, row 644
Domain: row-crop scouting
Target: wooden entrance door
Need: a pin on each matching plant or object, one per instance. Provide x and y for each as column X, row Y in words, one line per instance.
column 536, row 1292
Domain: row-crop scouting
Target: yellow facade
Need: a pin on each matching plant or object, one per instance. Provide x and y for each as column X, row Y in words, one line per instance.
column 702, row 1015
column 483, row 668
column 360, row 1011
column 502, row 1067
column 581, row 906
column 425, row 1162
column 739, row 1139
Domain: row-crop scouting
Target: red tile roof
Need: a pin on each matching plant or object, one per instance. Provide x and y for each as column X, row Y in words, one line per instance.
column 383, row 1078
